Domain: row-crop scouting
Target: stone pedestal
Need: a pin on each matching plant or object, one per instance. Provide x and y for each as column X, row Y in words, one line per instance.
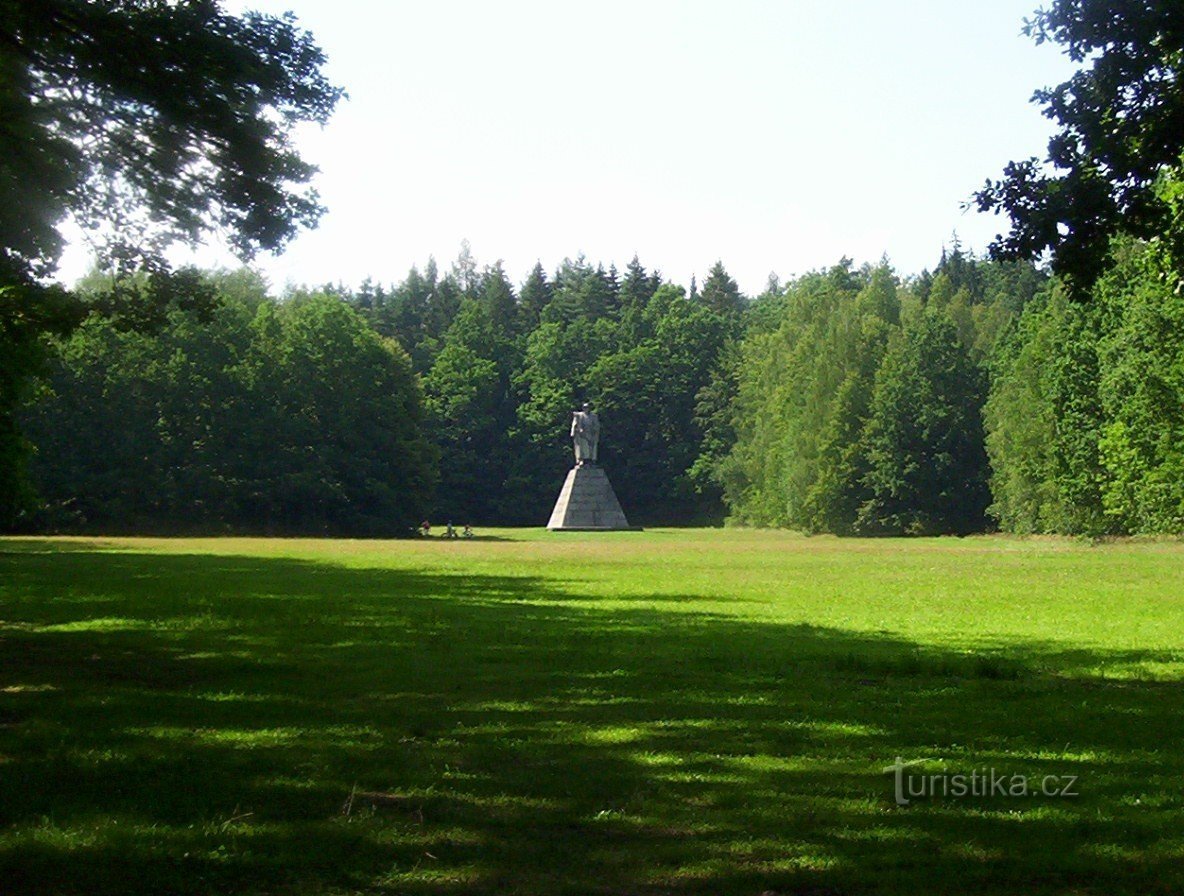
column 587, row 503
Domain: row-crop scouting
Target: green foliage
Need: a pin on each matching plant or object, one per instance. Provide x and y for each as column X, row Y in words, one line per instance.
column 850, row 402
column 648, row 393
column 1084, row 421
column 857, row 400
column 1021, row 422
column 27, row 317
column 722, row 295
column 1141, row 389
column 152, row 122
column 148, row 123
column 246, row 416
column 551, row 382
column 1121, row 126
column 840, row 488
column 347, row 409
column 503, row 378
column 785, row 408
column 535, row 295
column 926, row 465
column 581, row 293
column 471, row 408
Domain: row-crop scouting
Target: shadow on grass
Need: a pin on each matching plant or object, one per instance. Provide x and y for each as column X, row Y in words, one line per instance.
column 202, row 724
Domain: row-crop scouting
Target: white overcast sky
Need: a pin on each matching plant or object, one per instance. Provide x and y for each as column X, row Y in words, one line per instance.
column 773, row 136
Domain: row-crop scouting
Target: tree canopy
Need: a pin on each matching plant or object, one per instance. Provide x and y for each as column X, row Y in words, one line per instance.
column 244, row 414
column 151, row 122
column 148, row 122
column 1121, row 131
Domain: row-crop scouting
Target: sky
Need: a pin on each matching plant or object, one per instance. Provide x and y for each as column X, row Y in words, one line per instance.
column 776, row 137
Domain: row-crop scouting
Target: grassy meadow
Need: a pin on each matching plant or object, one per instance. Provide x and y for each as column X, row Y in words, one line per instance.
column 674, row 711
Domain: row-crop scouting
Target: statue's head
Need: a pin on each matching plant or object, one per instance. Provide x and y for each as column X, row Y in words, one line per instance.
column 586, row 406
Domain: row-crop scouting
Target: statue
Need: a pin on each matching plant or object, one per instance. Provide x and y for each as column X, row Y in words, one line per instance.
column 586, row 503
column 585, row 434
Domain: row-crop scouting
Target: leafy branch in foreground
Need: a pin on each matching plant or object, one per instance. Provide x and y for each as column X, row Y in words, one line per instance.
column 152, row 122
column 1121, row 130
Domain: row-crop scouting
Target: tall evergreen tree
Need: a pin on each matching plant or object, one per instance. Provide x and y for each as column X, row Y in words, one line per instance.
column 498, row 297
column 638, row 286
column 721, row 293
column 534, row 296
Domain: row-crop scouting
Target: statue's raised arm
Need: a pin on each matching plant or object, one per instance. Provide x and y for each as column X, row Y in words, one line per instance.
column 585, row 434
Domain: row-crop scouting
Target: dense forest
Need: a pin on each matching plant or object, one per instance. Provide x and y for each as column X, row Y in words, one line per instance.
column 849, row 400
column 1038, row 390
column 218, row 409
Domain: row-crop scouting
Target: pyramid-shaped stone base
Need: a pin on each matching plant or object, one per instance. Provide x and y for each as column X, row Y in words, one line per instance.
column 587, row 503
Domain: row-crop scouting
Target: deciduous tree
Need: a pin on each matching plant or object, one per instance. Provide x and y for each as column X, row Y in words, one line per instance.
column 1120, row 125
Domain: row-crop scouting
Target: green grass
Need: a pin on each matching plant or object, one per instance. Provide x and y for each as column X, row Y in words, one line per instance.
column 629, row 713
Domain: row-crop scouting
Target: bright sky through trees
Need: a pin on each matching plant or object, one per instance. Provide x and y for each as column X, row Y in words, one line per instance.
column 774, row 136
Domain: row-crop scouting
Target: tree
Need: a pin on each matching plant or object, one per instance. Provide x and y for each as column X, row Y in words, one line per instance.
column 580, row 292
column 152, row 122
column 256, row 417
column 464, row 271
column 534, row 297
column 638, row 287
column 550, row 383
column 1121, row 121
column 791, row 366
column 351, row 454
column 646, row 393
column 1021, row 424
column 498, row 296
column 148, row 122
column 859, row 342
column 1141, row 393
column 721, row 294
column 24, row 323
column 471, row 408
column 927, row 468
column 1085, row 422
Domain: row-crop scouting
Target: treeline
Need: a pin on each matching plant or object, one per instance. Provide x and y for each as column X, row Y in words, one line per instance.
column 858, row 401
column 1085, row 423
column 502, row 370
column 976, row 398
column 849, row 400
column 197, row 404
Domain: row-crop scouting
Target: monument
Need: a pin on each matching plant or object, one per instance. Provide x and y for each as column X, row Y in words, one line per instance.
column 587, row 502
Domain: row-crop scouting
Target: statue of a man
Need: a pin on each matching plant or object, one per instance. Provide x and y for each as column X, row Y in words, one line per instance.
column 585, row 434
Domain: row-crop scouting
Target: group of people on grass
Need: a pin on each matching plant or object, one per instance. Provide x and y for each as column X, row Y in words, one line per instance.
column 425, row 529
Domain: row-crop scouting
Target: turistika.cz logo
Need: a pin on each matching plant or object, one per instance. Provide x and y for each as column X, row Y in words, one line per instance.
column 985, row 783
